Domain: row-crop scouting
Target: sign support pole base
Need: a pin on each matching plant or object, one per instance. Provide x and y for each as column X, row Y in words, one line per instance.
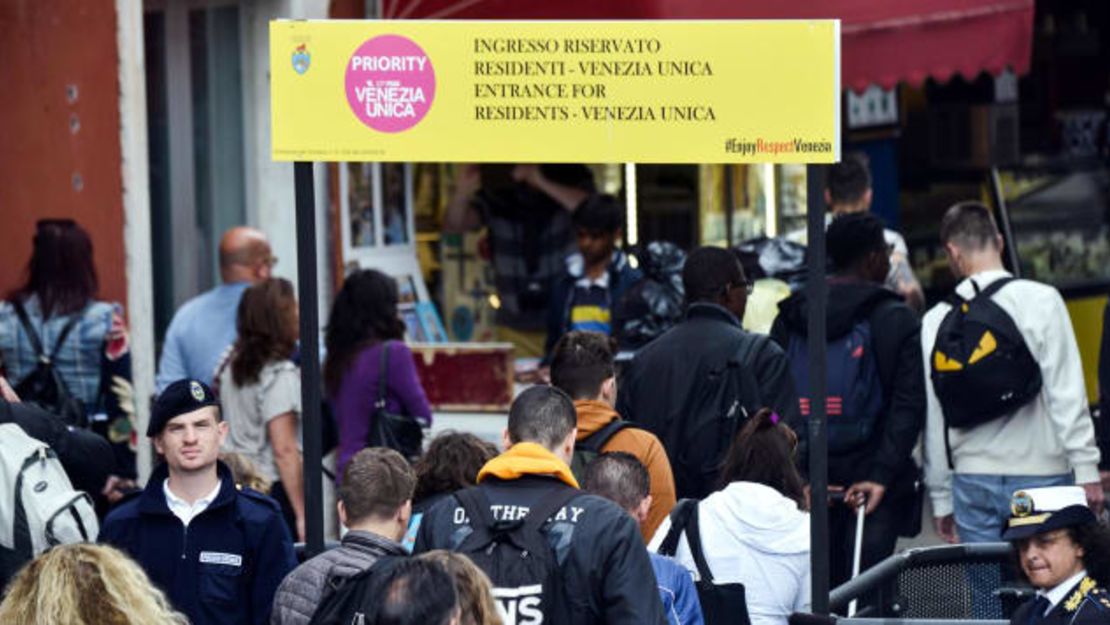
column 817, row 294
column 307, row 293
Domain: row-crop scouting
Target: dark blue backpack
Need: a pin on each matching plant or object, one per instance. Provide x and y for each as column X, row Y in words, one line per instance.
column 854, row 390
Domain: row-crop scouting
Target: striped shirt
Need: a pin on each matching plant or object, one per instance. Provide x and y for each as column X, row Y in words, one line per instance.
column 591, row 306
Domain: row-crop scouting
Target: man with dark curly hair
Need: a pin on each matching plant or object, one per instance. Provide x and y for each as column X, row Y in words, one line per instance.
column 1064, row 552
column 451, row 463
column 875, row 391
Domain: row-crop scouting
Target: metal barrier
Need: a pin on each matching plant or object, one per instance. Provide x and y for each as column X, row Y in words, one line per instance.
column 911, row 621
column 975, row 582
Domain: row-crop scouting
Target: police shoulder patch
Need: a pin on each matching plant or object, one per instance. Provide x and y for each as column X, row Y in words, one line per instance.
column 1085, row 588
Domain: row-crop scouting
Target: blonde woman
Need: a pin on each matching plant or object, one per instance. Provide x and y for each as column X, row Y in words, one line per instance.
column 245, row 472
column 82, row 583
column 476, row 605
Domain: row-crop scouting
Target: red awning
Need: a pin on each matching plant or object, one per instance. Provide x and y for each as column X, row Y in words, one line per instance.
column 883, row 41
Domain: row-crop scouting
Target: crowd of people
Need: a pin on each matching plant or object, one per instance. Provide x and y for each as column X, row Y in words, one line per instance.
column 670, row 489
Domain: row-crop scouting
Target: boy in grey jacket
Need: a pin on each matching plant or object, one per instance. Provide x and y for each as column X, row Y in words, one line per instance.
column 375, row 503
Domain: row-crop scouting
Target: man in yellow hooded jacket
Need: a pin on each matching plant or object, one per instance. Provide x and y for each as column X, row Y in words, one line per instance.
column 589, row 565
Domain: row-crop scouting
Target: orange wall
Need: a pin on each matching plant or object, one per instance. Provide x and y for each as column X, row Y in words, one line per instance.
column 47, row 46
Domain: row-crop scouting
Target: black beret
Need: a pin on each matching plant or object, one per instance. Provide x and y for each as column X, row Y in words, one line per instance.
column 181, row 397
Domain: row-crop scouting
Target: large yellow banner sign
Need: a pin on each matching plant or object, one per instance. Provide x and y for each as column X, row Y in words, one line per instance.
column 648, row 92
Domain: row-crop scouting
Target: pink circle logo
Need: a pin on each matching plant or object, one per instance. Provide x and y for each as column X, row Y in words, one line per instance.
column 390, row 83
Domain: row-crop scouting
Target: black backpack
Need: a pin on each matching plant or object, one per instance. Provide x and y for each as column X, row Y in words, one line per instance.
column 854, row 391
column 346, row 600
column 981, row 368
column 589, row 448
column 713, row 419
column 720, row 603
column 522, row 566
column 44, row 386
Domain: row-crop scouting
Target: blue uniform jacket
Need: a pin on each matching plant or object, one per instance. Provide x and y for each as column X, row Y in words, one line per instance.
column 222, row 569
column 1086, row 604
column 676, row 589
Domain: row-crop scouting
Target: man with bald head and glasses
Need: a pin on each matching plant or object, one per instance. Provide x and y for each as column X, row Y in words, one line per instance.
column 204, row 327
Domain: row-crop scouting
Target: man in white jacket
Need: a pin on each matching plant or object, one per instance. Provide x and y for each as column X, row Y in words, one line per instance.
column 1048, row 441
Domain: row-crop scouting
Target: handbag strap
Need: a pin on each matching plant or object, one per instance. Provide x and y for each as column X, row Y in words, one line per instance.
column 684, row 520
column 383, row 376
column 693, row 538
column 225, row 362
column 33, row 336
column 680, row 515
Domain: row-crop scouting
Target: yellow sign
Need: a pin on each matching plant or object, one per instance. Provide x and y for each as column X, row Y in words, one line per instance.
column 648, row 92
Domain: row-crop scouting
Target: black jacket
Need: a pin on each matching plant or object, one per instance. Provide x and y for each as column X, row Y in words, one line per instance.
column 1085, row 604
column 224, row 567
column 86, row 457
column 607, row 573
column 675, row 372
column 896, row 337
column 423, row 505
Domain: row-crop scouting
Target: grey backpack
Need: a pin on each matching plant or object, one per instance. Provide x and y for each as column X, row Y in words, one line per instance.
column 38, row 506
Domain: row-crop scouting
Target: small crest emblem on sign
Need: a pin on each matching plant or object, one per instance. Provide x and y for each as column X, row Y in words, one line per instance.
column 301, row 59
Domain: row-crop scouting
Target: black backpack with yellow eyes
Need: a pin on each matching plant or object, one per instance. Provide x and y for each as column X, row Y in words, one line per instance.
column 981, row 367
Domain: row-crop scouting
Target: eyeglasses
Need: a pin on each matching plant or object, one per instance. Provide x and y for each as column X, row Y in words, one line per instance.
column 749, row 287
column 270, row 261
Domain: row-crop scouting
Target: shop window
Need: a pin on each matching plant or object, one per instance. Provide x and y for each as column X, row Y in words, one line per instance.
column 1061, row 225
column 667, row 204
column 195, row 127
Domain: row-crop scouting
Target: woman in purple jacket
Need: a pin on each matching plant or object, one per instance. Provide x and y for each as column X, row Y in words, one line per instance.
column 364, row 321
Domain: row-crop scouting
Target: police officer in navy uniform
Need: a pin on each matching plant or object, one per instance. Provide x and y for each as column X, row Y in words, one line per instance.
column 218, row 552
column 1064, row 553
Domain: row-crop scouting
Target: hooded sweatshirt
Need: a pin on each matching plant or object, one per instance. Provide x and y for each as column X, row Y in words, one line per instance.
column 525, row 459
column 594, row 415
column 753, row 535
column 895, row 337
column 606, row 572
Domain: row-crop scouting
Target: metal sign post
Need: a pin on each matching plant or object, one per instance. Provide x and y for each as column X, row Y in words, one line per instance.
column 817, row 294
column 310, row 358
